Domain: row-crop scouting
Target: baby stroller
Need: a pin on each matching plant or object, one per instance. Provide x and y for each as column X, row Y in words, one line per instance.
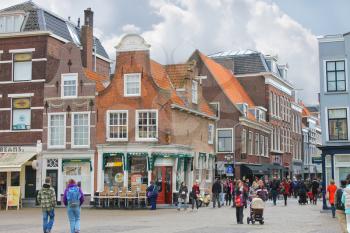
column 256, row 211
column 302, row 198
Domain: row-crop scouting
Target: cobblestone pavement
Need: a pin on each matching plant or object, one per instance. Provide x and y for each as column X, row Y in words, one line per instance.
column 278, row 219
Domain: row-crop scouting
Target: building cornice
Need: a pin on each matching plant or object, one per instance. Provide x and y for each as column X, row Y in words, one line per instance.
column 256, row 125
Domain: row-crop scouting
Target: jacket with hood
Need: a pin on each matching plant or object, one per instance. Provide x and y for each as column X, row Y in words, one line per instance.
column 345, row 199
column 47, row 198
column 81, row 200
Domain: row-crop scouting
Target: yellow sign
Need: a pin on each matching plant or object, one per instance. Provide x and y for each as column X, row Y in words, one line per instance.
column 13, row 196
column 23, row 57
column 114, row 164
column 22, row 103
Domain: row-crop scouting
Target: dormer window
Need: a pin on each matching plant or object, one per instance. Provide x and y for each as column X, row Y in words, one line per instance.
column 244, row 109
column 11, row 22
column 194, row 92
column 260, row 114
column 132, row 84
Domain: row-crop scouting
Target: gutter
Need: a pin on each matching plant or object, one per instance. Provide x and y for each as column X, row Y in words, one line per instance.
column 195, row 112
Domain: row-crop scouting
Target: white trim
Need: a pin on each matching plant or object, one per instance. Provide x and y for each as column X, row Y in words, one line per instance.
column 326, row 123
column 23, row 34
column 217, row 140
column 24, row 81
column 48, row 130
column 325, row 75
column 330, row 38
column 69, row 76
column 136, row 126
column 58, row 37
column 102, row 57
column 39, row 59
column 72, row 130
column 1, row 51
column 20, row 131
column 279, row 84
column 5, row 109
column 194, row 91
column 125, row 76
column 5, row 61
column 28, row 50
column 20, row 95
column 296, row 107
column 37, row 108
column 193, row 111
column 108, row 139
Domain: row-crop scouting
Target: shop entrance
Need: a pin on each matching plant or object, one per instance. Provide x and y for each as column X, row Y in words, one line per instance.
column 53, row 174
column 30, row 186
column 162, row 176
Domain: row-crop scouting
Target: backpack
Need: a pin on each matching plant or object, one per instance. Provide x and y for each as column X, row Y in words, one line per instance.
column 339, row 205
column 238, row 201
column 73, row 196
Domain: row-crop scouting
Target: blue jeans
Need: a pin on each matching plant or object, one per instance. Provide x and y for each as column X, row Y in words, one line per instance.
column 48, row 220
column 74, row 218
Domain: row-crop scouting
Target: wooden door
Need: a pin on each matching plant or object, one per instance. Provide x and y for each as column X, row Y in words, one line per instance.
column 162, row 177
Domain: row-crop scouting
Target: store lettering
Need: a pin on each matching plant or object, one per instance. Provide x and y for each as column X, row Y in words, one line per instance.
column 11, row 149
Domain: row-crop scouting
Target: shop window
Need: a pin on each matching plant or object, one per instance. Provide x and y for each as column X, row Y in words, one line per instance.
column 15, row 178
column 117, row 128
column 69, row 88
column 56, row 130
column 147, row 125
column 22, row 67
column 80, row 172
column 113, row 171
column 138, row 171
column 337, row 124
column 132, row 84
column 80, row 130
column 3, row 182
column 21, row 114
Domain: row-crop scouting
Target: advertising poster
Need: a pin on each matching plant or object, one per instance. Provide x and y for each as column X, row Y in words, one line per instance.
column 13, row 196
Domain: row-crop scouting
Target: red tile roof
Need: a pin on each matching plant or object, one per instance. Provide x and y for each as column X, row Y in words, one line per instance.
column 99, row 79
column 228, row 83
column 178, row 73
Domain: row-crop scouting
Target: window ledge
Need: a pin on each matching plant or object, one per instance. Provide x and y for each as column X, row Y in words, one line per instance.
column 338, row 141
column 336, row 92
column 117, row 139
column 146, row 139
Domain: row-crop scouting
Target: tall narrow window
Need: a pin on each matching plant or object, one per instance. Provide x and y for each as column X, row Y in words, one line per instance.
column 244, row 141
column 194, row 92
column 80, row 129
column 256, row 144
column 335, row 75
column 262, row 146
column 21, row 114
column 224, row 140
column 117, row 125
column 266, row 146
column 132, row 84
column 337, row 124
column 147, row 125
column 56, row 131
column 69, row 85
column 22, row 67
column 210, row 134
column 250, row 143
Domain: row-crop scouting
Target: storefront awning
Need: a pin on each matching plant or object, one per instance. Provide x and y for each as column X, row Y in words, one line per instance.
column 256, row 169
column 12, row 162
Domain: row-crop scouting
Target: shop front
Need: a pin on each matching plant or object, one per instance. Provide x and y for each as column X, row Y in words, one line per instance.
column 63, row 167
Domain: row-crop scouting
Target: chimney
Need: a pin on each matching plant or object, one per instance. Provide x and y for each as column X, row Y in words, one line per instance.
column 87, row 38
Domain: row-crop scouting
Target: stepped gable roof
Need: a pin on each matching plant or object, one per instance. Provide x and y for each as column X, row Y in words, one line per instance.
column 40, row 19
column 101, row 81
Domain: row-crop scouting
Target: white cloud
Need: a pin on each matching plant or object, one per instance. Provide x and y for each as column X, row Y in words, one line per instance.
column 213, row 26
column 130, row 28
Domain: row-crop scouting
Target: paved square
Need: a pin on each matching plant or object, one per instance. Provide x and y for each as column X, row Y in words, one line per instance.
column 278, row 219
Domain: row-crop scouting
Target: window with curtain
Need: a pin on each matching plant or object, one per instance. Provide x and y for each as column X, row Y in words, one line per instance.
column 22, row 67
column 81, row 128
column 132, row 84
column 337, row 124
column 57, row 129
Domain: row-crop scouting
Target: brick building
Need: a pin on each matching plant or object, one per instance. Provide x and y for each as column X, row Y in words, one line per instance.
column 296, row 139
column 267, row 84
column 32, row 43
column 242, row 134
column 146, row 130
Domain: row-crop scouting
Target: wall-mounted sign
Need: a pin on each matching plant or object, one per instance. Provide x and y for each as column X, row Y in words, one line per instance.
column 22, row 103
column 229, row 170
column 11, row 149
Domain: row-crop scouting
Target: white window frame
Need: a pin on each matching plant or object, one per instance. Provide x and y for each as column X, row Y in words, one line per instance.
column 49, row 131
column 256, row 144
column 194, row 92
column 125, row 77
column 137, row 138
column 250, row 143
column 68, row 76
column 108, row 129
column 72, row 130
column 211, row 133
column 24, row 51
column 217, row 140
column 325, row 75
column 244, row 142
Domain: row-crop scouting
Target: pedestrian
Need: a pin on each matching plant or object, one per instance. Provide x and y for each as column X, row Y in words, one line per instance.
column 194, row 194
column 315, row 185
column 262, row 192
column 73, row 199
column 285, row 190
column 216, row 190
column 152, row 194
column 331, row 189
column 346, row 201
column 340, row 208
column 239, row 202
column 47, row 200
column 274, row 189
column 182, row 196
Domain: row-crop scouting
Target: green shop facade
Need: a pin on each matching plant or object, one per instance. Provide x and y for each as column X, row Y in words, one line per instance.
column 167, row 166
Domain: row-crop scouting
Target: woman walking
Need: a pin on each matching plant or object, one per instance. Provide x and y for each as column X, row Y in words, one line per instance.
column 194, row 194
column 73, row 199
column 285, row 190
column 182, row 196
column 331, row 189
column 239, row 202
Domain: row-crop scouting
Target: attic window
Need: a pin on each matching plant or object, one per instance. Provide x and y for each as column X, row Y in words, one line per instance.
column 244, row 108
column 11, row 22
column 132, row 84
column 260, row 114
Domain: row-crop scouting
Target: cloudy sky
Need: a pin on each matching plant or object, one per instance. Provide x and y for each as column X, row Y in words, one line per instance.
column 174, row 28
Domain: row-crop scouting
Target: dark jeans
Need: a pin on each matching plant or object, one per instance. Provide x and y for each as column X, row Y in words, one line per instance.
column 216, row 198
column 153, row 201
column 333, row 210
column 228, row 198
column 239, row 214
column 274, row 196
column 285, row 196
column 194, row 200
column 48, row 220
column 314, row 198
